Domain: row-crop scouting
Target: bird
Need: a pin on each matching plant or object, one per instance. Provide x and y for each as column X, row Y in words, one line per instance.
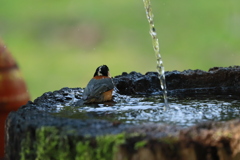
column 99, row 88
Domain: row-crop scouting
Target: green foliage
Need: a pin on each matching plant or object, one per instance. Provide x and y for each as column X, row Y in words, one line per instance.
column 64, row 43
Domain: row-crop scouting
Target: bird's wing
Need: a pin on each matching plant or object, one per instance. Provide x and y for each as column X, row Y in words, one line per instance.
column 97, row 86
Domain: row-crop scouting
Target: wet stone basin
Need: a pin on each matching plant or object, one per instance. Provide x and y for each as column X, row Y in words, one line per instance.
column 201, row 122
column 144, row 109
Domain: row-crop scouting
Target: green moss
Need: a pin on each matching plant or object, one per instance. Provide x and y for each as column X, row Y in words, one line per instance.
column 109, row 144
column 84, row 151
column 222, row 134
column 101, row 148
column 51, row 143
column 170, row 141
column 48, row 143
column 27, row 148
column 140, row 144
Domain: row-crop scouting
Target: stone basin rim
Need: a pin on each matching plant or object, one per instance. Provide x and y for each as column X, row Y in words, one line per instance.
column 33, row 115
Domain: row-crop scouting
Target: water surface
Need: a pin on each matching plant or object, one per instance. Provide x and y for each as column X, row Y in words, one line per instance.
column 144, row 109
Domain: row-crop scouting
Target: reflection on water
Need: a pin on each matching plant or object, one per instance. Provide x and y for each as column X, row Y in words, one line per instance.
column 142, row 109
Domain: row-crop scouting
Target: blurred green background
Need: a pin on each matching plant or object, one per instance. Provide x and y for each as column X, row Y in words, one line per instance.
column 60, row 43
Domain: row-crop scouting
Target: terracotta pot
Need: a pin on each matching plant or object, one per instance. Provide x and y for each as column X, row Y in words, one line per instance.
column 13, row 90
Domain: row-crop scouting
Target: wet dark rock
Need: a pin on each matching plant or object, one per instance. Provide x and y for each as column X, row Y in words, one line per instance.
column 33, row 116
column 208, row 141
column 217, row 80
column 136, row 83
column 63, row 96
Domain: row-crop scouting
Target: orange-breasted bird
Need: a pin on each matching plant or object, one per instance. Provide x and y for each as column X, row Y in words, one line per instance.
column 99, row 88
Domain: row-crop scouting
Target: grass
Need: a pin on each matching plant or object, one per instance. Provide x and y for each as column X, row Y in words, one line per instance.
column 60, row 43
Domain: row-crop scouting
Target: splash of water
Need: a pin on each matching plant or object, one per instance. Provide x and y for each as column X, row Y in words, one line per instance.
column 153, row 33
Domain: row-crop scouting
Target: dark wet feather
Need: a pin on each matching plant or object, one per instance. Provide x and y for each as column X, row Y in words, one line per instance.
column 96, row 87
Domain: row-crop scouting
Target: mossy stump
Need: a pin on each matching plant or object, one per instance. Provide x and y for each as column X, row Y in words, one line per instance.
column 209, row 141
column 41, row 136
column 34, row 132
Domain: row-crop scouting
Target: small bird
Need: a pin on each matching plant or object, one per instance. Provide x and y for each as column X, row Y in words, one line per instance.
column 99, row 88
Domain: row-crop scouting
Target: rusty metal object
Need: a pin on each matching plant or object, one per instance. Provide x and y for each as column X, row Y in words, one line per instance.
column 13, row 90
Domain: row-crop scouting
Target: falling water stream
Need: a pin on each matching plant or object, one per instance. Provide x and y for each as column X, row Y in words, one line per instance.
column 153, row 33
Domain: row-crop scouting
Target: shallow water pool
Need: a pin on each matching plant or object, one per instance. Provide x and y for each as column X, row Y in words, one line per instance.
column 144, row 109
